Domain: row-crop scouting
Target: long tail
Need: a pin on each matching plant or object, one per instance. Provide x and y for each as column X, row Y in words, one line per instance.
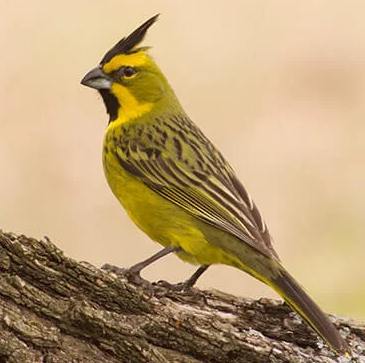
column 301, row 303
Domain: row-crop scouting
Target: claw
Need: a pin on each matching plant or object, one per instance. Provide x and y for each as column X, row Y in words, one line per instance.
column 131, row 275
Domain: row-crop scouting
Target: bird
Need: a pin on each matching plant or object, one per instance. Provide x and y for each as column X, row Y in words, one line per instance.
column 178, row 188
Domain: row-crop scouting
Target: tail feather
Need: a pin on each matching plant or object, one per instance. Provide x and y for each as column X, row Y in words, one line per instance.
column 301, row 303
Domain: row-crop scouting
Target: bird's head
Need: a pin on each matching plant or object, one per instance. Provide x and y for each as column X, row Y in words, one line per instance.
column 127, row 78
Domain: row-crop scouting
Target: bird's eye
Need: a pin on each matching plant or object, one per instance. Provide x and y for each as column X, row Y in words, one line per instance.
column 127, row 72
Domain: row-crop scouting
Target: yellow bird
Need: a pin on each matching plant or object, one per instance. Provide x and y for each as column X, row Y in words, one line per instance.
column 177, row 187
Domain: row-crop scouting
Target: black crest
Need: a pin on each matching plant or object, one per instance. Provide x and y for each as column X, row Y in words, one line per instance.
column 128, row 43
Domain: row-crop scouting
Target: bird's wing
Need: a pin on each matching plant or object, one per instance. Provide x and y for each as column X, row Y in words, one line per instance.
column 202, row 183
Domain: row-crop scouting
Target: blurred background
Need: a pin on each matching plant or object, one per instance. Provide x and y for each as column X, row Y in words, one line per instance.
column 279, row 86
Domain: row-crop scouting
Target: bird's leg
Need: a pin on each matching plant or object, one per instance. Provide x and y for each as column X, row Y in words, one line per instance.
column 187, row 284
column 138, row 267
column 190, row 282
column 133, row 273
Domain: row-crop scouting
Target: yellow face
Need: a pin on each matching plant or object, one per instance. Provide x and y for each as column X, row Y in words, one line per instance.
column 129, row 74
column 131, row 84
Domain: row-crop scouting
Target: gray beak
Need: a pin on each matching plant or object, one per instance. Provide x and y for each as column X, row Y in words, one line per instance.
column 97, row 79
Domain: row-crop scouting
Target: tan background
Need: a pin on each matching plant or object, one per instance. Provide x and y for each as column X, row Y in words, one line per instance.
column 278, row 85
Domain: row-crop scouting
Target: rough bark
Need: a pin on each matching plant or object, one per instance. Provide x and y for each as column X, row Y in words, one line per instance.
column 54, row 309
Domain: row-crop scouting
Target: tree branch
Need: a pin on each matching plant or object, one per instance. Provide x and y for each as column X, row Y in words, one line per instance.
column 54, row 309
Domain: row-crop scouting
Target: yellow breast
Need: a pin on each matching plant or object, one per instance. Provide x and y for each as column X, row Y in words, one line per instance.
column 160, row 219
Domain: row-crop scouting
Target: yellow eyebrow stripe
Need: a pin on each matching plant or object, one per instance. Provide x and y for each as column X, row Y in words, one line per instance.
column 133, row 60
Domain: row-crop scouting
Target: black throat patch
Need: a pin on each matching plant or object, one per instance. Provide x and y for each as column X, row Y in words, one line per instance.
column 111, row 103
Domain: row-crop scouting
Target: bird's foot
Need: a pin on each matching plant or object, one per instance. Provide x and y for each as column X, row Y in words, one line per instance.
column 132, row 276
column 182, row 291
column 180, row 287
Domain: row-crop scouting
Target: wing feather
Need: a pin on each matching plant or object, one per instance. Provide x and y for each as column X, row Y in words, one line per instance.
column 203, row 184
